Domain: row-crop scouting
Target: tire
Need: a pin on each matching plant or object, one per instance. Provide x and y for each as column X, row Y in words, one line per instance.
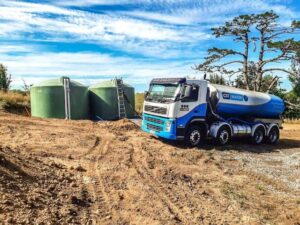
column 273, row 136
column 193, row 136
column 258, row 136
column 223, row 136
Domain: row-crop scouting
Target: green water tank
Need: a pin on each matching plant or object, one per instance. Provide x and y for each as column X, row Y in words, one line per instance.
column 48, row 100
column 104, row 100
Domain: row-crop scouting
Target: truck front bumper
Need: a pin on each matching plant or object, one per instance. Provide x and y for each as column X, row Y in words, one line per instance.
column 159, row 126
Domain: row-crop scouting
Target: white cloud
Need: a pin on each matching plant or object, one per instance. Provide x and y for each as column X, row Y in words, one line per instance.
column 86, row 3
column 90, row 67
column 164, row 29
column 82, row 25
column 17, row 48
column 134, row 31
column 29, row 20
column 209, row 11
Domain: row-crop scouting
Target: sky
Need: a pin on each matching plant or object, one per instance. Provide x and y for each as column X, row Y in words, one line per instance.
column 95, row 40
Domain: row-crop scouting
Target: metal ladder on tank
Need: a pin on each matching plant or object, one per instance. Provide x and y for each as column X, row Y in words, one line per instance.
column 121, row 99
column 66, row 82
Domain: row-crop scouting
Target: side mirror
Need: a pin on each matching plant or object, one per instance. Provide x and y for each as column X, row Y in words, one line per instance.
column 146, row 93
column 188, row 91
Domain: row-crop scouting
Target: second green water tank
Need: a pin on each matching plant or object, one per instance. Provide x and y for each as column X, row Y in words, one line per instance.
column 48, row 100
column 104, row 100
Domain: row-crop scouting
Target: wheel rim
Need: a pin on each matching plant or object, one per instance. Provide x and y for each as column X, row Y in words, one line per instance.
column 273, row 136
column 259, row 136
column 224, row 137
column 195, row 137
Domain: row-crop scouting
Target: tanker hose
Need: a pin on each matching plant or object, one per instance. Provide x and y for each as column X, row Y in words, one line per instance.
column 215, row 114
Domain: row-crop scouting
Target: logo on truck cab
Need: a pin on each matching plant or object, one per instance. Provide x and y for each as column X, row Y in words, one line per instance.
column 234, row 97
column 184, row 108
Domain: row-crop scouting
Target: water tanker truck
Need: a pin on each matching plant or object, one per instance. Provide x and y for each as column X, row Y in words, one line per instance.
column 192, row 110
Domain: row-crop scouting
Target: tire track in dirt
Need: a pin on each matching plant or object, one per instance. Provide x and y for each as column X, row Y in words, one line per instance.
column 101, row 209
column 171, row 201
column 101, row 192
column 201, row 210
column 96, row 144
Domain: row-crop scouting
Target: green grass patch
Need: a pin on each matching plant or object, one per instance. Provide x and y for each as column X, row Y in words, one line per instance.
column 231, row 192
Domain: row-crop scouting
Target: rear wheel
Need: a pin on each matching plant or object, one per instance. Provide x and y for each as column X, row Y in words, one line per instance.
column 258, row 136
column 223, row 135
column 273, row 136
column 193, row 136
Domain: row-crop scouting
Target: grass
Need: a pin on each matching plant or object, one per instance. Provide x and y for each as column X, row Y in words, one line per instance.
column 14, row 97
column 17, row 102
column 139, row 101
column 260, row 187
column 230, row 192
column 292, row 121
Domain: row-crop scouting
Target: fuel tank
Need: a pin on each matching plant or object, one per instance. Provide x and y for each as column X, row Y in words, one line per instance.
column 234, row 102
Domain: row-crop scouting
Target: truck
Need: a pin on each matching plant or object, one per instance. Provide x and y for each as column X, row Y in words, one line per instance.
column 192, row 110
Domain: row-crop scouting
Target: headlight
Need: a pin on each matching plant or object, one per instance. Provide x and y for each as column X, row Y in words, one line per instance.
column 168, row 126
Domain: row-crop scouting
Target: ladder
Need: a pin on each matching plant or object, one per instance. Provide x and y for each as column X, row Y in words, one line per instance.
column 121, row 101
column 66, row 82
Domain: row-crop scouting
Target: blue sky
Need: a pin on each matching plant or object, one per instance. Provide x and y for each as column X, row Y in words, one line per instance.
column 94, row 40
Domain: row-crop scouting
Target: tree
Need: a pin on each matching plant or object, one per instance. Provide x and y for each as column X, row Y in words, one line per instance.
column 26, row 86
column 239, row 29
column 294, row 77
column 5, row 78
column 216, row 79
column 270, row 84
column 255, row 31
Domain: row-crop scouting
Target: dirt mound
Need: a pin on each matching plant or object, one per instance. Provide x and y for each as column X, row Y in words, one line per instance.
column 35, row 190
column 124, row 125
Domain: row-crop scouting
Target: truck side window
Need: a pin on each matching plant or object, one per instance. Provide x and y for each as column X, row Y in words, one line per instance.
column 194, row 95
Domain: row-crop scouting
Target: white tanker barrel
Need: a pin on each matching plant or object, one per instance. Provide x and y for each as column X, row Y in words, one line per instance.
column 234, row 102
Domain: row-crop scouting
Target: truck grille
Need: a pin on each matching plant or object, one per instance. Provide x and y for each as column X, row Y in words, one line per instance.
column 154, row 127
column 156, row 109
column 154, row 120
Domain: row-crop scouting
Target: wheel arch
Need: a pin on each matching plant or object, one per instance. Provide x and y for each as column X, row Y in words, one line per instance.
column 272, row 125
column 216, row 127
column 256, row 126
column 198, row 122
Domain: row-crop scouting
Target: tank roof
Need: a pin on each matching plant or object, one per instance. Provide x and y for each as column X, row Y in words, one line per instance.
column 108, row 84
column 57, row 82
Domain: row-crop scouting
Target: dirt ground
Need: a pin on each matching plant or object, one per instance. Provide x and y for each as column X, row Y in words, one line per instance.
column 80, row 172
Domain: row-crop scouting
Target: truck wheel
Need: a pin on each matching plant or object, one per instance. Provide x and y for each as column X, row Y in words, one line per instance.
column 193, row 136
column 273, row 136
column 258, row 136
column 223, row 135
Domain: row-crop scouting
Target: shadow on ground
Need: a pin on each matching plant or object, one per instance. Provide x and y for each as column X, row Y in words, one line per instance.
column 241, row 145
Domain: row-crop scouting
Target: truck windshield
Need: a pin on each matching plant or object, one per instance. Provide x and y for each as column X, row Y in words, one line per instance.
column 163, row 92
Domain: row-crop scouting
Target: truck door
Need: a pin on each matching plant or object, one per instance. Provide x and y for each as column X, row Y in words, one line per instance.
column 193, row 105
column 188, row 103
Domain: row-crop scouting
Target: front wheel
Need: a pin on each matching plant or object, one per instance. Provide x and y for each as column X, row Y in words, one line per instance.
column 193, row 136
column 273, row 136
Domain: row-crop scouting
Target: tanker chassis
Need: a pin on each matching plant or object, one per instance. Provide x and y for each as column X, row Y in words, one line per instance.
column 192, row 110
